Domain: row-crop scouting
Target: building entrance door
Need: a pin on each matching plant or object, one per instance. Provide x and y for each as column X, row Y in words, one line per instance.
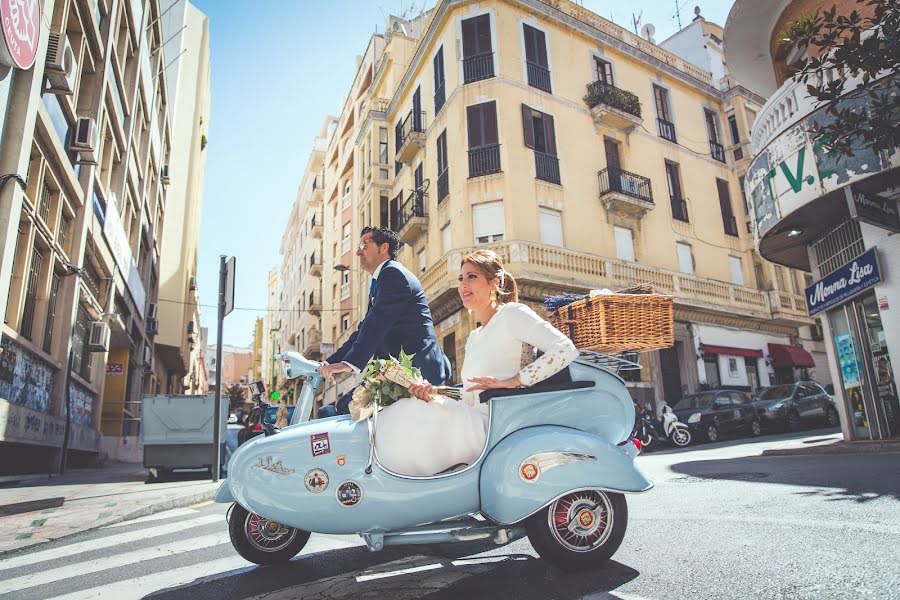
column 671, row 374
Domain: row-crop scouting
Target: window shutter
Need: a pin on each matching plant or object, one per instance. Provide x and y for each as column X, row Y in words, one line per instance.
column 469, row 38
column 475, row 127
column 530, row 53
column 540, row 46
column 549, row 134
column 527, row 127
column 603, row 71
column 488, row 220
column 489, row 116
column 551, row 227
column 439, row 68
column 483, row 34
column 674, row 181
column 724, row 198
column 624, row 244
column 737, row 272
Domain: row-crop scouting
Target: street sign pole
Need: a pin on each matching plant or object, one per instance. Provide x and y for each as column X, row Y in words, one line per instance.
column 226, row 305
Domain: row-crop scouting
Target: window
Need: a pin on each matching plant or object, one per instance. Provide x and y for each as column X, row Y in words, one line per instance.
column 81, row 356
column 663, row 114
column 676, row 197
column 422, row 264
column 741, row 183
column 624, row 244
column 685, row 258
column 383, row 145
column 733, row 127
column 383, row 212
column 345, row 322
column 345, row 200
column 345, row 239
column 603, row 71
column 751, row 119
column 737, row 270
column 794, row 284
column 780, row 278
column 716, row 150
column 445, row 238
column 345, row 285
column 34, row 274
column 551, row 227
column 488, row 222
column 540, row 136
column 711, row 367
column 484, row 148
column 536, row 63
column 478, row 56
column 51, row 311
column 439, row 91
column 449, row 346
column 443, row 184
column 725, row 206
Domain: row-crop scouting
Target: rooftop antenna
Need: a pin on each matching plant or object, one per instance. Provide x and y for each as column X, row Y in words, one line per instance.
column 678, row 12
column 636, row 20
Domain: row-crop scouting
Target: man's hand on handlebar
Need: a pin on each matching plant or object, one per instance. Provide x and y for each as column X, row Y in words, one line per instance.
column 329, row 371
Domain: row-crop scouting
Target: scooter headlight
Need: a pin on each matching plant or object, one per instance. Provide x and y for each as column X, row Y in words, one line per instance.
column 694, row 418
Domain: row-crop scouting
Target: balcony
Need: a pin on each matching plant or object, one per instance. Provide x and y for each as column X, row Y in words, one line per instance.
column 788, row 308
column 315, row 265
column 546, row 167
column 478, row 67
column 538, row 77
column 717, row 151
column 316, row 226
column 443, row 185
column 666, row 130
column 315, row 304
column 625, row 192
column 613, row 107
column 412, row 219
column 411, row 137
column 484, row 160
column 310, row 345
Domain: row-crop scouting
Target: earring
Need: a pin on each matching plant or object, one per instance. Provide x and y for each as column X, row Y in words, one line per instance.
column 493, row 296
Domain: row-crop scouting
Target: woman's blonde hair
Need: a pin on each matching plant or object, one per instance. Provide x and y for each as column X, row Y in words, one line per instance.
column 490, row 265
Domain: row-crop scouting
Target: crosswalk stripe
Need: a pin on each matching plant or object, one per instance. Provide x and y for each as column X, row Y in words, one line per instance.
column 140, row 587
column 107, row 542
column 175, row 512
column 110, row 562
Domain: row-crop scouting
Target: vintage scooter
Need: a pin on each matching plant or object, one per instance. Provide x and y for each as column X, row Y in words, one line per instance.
column 556, row 464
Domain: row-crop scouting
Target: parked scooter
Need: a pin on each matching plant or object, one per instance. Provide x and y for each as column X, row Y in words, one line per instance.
column 645, row 428
column 675, row 430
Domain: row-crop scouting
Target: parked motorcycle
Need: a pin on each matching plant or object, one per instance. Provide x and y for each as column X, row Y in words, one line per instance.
column 646, row 428
column 675, row 430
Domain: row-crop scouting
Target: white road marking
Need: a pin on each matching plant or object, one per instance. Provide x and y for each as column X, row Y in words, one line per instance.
column 107, row 542
column 361, row 578
column 175, row 512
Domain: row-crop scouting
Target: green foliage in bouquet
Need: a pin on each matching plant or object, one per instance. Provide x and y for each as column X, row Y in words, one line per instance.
column 388, row 380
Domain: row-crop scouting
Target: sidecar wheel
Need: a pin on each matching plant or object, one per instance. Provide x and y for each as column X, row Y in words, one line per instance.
column 262, row 541
column 581, row 530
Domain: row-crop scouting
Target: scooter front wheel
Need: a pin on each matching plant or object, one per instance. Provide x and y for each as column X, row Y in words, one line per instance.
column 681, row 436
column 581, row 530
column 263, row 541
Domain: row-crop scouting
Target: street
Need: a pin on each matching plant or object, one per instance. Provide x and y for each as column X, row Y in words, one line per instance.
column 722, row 522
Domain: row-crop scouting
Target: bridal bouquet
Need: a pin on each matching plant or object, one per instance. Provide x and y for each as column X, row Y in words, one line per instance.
column 387, row 380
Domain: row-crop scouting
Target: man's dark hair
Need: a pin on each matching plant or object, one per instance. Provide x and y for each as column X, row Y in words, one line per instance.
column 383, row 235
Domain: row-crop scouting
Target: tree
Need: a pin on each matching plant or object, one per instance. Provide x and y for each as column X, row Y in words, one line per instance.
column 855, row 45
column 235, row 393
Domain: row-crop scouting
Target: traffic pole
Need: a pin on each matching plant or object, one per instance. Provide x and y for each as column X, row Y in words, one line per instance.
column 217, row 407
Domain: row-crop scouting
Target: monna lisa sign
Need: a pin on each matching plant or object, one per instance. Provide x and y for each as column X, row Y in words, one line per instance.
column 20, row 22
column 856, row 276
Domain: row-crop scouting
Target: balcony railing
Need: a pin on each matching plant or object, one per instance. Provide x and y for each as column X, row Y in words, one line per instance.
column 412, row 217
column 484, row 160
column 600, row 92
column 439, row 98
column 538, row 76
column 730, row 225
column 717, row 151
column 623, row 182
column 411, row 137
column 443, row 185
column 478, row 67
column 679, row 209
column 546, row 167
column 666, row 130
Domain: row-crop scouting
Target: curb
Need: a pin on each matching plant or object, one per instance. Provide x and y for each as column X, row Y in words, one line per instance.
column 149, row 509
column 838, row 448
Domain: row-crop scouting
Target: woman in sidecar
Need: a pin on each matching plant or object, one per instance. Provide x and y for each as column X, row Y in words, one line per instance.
column 550, row 460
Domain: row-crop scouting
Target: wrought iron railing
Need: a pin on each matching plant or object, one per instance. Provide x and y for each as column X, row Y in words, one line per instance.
column 637, row 186
column 679, row 209
column 600, row 92
column 478, row 67
column 666, row 130
column 413, row 123
column 717, row 150
column 546, row 167
column 416, row 205
column 443, row 185
column 538, row 76
column 484, row 160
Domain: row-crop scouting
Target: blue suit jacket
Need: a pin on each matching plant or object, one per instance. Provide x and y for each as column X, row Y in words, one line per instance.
column 399, row 318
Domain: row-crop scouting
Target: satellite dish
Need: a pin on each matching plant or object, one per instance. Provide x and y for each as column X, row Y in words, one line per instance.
column 647, row 32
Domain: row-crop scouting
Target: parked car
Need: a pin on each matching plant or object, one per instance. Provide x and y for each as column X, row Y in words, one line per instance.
column 253, row 425
column 713, row 413
column 793, row 405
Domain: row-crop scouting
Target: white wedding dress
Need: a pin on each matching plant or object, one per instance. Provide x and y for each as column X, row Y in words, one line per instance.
column 420, row 438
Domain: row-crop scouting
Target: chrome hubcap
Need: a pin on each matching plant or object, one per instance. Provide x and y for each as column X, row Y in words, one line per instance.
column 581, row 521
column 267, row 535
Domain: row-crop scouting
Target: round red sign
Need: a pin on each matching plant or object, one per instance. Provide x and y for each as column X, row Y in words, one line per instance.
column 21, row 24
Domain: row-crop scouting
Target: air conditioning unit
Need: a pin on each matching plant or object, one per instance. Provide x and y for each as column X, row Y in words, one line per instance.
column 164, row 174
column 150, row 364
column 98, row 341
column 151, row 310
column 152, row 326
column 191, row 327
column 61, row 67
column 85, row 141
column 192, row 283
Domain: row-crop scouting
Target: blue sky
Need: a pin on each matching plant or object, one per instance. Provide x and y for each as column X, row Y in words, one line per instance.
column 277, row 68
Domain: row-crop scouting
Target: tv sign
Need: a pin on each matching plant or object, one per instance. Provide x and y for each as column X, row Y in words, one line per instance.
column 20, row 21
column 856, row 276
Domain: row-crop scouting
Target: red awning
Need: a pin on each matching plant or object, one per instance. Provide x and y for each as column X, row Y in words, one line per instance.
column 710, row 349
column 790, row 356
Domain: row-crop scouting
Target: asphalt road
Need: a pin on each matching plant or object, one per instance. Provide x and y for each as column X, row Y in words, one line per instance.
column 722, row 522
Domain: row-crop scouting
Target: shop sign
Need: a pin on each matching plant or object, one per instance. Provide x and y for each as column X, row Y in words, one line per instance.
column 873, row 209
column 856, row 276
column 114, row 368
column 21, row 24
column 121, row 251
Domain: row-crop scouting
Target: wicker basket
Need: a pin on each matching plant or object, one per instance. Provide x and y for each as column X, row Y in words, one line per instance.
column 618, row 322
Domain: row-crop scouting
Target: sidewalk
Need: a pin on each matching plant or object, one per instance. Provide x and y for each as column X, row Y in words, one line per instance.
column 838, row 447
column 35, row 510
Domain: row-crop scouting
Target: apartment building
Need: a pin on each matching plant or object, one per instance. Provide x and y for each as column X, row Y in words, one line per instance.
column 271, row 327
column 89, row 135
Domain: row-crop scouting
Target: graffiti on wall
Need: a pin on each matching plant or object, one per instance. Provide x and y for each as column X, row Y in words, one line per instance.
column 82, row 402
column 23, row 425
column 25, row 379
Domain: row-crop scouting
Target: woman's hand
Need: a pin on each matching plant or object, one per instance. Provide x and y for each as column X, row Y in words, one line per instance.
column 492, row 383
column 422, row 391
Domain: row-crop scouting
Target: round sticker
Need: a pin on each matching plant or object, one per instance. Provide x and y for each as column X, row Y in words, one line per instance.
column 316, row 480
column 529, row 472
column 349, row 493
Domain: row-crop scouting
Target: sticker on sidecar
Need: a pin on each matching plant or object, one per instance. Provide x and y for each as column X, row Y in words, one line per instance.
column 316, row 480
column 319, row 444
column 341, row 460
column 349, row 493
column 268, row 464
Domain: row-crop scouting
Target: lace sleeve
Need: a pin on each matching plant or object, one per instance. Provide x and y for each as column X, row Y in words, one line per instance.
column 526, row 326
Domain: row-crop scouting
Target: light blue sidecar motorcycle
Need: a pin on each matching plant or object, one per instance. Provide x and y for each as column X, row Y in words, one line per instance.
column 558, row 459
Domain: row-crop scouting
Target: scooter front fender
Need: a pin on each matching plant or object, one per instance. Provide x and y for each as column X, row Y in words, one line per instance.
column 223, row 494
column 532, row 467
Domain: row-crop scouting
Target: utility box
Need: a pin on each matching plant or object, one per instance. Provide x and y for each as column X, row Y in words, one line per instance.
column 177, row 432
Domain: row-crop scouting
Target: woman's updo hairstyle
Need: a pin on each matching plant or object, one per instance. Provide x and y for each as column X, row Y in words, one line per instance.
column 490, row 265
